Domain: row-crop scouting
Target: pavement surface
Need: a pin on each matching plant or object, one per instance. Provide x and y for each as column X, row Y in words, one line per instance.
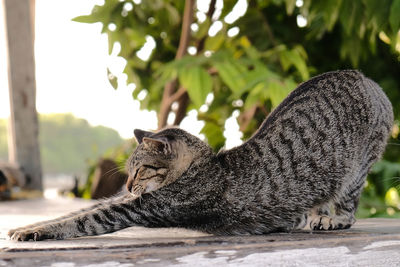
column 370, row 242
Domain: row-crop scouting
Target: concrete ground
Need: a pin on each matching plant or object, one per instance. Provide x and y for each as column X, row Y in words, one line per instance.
column 371, row 242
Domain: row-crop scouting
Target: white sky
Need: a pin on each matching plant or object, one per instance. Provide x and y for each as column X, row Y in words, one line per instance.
column 71, row 72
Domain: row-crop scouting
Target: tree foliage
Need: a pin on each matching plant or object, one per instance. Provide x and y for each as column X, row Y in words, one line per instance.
column 251, row 71
column 247, row 56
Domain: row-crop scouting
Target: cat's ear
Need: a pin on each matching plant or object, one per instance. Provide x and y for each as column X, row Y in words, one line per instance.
column 139, row 134
column 157, row 144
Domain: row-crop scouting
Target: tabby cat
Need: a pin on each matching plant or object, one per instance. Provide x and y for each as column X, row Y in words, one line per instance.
column 305, row 166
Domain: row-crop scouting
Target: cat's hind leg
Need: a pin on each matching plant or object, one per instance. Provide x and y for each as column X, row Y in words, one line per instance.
column 329, row 217
column 347, row 203
column 339, row 212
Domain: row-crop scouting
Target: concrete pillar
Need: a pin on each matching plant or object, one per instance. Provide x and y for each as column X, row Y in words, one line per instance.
column 24, row 128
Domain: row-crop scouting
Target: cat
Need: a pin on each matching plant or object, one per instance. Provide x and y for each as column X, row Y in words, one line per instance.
column 304, row 168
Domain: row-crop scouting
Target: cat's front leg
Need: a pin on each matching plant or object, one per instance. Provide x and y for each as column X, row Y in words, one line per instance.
column 96, row 222
column 102, row 203
column 79, row 225
column 108, row 216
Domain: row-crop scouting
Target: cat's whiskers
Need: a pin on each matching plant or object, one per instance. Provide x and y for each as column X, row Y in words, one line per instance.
column 392, row 181
column 114, row 170
column 140, row 200
column 396, row 180
column 394, row 144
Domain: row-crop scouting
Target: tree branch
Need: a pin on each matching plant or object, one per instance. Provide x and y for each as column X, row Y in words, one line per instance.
column 181, row 96
column 165, row 107
column 210, row 13
column 246, row 117
column 185, row 33
column 183, row 103
column 183, row 100
column 169, row 88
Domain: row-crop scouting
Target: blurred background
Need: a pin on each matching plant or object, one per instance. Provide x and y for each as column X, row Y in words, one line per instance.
column 215, row 68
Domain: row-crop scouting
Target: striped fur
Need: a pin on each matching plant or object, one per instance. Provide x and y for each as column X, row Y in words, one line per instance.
column 304, row 167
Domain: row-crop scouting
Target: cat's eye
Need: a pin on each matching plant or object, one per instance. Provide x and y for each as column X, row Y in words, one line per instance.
column 136, row 173
column 152, row 167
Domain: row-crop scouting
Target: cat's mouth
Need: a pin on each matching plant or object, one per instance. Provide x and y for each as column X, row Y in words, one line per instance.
column 134, row 189
column 137, row 190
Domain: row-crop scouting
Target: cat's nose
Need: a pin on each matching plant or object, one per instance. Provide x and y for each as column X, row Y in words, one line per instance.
column 129, row 184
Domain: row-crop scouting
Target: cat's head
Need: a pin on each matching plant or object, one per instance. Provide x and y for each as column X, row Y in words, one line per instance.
column 161, row 158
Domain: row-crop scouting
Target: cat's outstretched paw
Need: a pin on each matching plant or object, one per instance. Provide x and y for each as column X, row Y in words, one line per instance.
column 35, row 234
column 12, row 231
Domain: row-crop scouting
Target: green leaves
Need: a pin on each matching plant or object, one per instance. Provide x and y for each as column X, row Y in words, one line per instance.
column 232, row 73
column 327, row 9
column 112, row 79
column 361, row 23
column 394, row 17
column 214, row 43
column 268, row 86
column 214, row 134
column 290, row 5
column 197, row 82
column 252, row 70
column 295, row 57
column 351, row 14
column 385, row 171
column 99, row 13
column 215, row 117
column 86, row 19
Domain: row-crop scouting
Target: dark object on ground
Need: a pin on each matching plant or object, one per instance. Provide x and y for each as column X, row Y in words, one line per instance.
column 4, row 190
column 108, row 179
column 11, row 176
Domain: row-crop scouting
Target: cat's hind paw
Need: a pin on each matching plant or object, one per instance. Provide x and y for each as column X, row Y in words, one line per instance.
column 323, row 222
